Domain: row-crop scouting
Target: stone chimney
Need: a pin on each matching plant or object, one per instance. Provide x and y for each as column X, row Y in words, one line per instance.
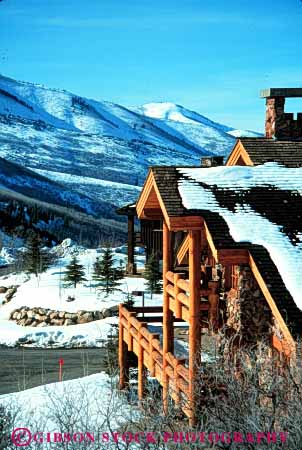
column 279, row 124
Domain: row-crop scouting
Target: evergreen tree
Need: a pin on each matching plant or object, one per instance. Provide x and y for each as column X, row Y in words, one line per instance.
column 96, row 274
column 74, row 273
column 111, row 360
column 153, row 275
column 105, row 272
column 130, row 300
column 35, row 259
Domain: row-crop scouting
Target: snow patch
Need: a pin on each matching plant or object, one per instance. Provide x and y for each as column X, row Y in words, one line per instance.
column 101, row 407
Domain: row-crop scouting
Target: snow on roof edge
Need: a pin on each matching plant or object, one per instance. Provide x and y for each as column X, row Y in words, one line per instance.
column 245, row 224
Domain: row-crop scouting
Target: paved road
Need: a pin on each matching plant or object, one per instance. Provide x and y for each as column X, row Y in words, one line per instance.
column 23, row 368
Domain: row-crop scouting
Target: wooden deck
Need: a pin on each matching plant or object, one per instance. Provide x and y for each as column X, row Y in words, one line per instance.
column 173, row 373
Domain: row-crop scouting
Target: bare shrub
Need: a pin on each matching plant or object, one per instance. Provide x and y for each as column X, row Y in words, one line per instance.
column 243, row 390
column 9, row 413
column 5, row 426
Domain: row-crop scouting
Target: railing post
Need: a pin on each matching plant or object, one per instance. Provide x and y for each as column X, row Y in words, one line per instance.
column 168, row 331
column 122, row 353
column 194, row 314
column 141, row 371
column 178, row 362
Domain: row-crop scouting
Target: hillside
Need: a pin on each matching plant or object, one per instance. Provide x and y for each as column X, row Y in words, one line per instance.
column 211, row 136
column 95, row 151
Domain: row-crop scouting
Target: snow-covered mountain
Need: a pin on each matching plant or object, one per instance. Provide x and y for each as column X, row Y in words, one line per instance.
column 204, row 132
column 96, row 149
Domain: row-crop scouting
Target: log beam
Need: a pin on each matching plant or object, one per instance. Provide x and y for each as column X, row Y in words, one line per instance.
column 177, row 277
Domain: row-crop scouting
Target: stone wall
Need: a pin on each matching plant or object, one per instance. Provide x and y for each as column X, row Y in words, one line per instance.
column 9, row 293
column 42, row 317
column 248, row 313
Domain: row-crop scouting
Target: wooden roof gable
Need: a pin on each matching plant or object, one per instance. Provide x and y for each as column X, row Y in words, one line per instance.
column 160, row 198
column 256, row 151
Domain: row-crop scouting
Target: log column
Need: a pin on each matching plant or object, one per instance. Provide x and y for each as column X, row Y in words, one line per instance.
column 131, row 269
column 168, row 332
column 194, row 325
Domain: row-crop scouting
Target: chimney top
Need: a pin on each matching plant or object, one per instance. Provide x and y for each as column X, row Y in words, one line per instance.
column 281, row 92
column 278, row 123
column 211, row 161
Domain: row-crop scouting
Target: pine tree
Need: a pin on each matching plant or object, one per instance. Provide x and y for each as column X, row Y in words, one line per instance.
column 153, row 275
column 105, row 272
column 75, row 273
column 35, row 259
column 96, row 274
column 129, row 301
column 111, row 361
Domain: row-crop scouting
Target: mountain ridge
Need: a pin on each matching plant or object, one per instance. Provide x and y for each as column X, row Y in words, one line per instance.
column 99, row 150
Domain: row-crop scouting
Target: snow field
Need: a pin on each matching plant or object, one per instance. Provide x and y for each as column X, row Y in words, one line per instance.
column 48, row 291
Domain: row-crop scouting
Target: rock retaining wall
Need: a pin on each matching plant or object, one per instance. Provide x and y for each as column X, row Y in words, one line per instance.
column 9, row 293
column 42, row 317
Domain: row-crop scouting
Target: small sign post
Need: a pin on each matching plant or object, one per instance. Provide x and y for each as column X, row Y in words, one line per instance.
column 140, row 294
column 61, row 363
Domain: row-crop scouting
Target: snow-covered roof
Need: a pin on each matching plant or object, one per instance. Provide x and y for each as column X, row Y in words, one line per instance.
column 261, row 205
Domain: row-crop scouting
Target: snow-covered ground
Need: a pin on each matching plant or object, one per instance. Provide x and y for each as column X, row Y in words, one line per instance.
column 87, row 405
column 48, row 291
column 8, row 245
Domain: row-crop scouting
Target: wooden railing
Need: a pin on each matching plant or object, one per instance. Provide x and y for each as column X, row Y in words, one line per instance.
column 147, row 347
column 134, row 336
column 179, row 295
column 138, row 238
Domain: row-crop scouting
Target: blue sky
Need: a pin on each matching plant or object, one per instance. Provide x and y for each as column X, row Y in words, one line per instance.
column 212, row 56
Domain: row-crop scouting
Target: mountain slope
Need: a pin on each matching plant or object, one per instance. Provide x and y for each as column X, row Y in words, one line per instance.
column 204, row 132
column 98, row 150
column 16, row 178
column 31, row 200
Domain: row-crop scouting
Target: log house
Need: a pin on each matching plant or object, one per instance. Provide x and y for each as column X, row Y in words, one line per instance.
column 210, row 267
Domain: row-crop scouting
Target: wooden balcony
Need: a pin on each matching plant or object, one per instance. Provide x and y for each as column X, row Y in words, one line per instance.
column 134, row 336
column 173, row 373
